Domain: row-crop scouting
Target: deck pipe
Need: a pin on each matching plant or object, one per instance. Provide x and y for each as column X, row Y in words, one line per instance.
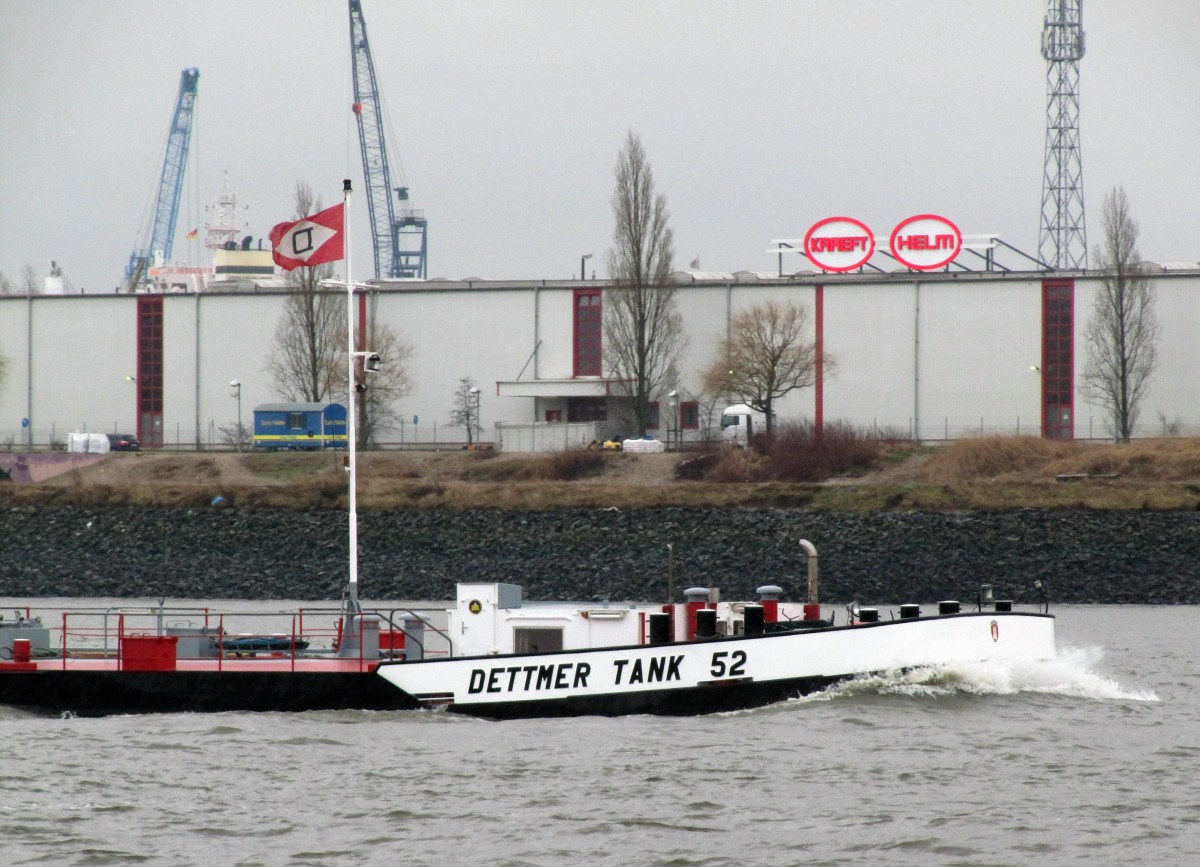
column 697, row 600
column 660, row 625
column 752, row 622
column 768, row 597
column 414, row 637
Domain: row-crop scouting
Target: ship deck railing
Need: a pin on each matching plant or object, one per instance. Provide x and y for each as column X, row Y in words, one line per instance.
column 217, row 636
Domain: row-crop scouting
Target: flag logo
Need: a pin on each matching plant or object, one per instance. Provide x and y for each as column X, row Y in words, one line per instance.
column 309, row 241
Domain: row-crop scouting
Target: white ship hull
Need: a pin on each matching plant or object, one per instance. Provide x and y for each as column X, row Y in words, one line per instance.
column 714, row 674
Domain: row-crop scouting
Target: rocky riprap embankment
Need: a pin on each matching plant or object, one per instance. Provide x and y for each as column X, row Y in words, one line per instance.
column 1100, row 557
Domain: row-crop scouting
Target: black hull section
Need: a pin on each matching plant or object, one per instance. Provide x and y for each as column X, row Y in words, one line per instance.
column 706, row 698
column 101, row 693
column 104, row 693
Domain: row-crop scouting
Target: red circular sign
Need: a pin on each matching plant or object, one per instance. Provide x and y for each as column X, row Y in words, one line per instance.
column 925, row 242
column 839, row 244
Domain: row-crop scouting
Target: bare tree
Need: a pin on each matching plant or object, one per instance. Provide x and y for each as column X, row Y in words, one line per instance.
column 30, row 285
column 766, row 355
column 1122, row 333
column 308, row 355
column 642, row 326
column 707, row 402
column 465, row 413
column 304, row 353
column 381, row 390
column 238, row 435
column 6, row 287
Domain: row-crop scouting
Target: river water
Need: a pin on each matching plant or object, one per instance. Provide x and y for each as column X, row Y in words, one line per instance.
column 1091, row 759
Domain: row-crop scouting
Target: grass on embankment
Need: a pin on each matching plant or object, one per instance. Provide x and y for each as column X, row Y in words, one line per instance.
column 971, row 474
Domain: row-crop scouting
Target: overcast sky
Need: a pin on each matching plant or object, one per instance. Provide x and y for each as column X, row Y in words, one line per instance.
column 758, row 119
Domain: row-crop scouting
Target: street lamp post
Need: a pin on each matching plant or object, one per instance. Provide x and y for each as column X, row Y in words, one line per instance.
column 137, row 407
column 674, row 396
column 236, row 385
column 583, row 265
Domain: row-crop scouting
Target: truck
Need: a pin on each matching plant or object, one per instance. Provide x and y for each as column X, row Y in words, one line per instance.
column 739, row 423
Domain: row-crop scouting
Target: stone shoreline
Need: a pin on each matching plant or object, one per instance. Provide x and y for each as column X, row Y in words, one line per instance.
column 591, row 555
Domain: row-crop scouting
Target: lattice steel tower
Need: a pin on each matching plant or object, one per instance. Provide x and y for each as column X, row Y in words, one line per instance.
column 1063, row 239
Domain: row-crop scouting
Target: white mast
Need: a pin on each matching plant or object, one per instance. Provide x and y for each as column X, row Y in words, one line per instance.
column 352, row 587
column 370, row 364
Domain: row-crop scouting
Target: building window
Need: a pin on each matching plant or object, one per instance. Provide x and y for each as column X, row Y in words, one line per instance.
column 588, row 331
column 587, row 409
column 150, row 370
column 689, row 415
column 652, row 415
column 297, row 420
column 1058, row 351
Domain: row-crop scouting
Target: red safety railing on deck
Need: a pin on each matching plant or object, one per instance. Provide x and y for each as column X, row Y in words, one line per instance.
column 102, row 633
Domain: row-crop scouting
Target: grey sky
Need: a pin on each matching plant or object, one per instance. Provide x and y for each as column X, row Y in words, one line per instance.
column 758, row 119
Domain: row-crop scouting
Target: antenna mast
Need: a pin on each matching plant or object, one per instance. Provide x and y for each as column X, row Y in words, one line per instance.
column 1062, row 243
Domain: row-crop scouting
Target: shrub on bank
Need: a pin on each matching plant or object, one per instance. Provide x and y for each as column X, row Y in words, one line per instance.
column 564, row 466
column 798, row 452
column 793, row 452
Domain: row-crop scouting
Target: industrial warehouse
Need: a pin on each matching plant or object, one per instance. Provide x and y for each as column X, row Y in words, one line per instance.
column 929, row 355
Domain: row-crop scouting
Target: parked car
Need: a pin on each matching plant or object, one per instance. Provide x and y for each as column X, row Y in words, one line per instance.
column 123, row 443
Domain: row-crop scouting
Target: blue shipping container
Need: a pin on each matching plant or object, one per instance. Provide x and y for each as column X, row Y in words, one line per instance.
column 300, row 426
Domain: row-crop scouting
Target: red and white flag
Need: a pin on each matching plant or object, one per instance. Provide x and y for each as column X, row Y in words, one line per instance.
column 310, row 241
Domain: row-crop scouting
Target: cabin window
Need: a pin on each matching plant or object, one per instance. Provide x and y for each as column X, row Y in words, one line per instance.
column 530, row 639
column 296, row 419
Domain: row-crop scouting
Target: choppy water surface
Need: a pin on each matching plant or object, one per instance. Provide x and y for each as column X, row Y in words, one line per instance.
column 1094, row 759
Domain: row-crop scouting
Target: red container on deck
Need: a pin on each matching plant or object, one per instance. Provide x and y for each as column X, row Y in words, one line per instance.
column 148, row 652
column 812, row 611
column 391, row 639
column 21, row 650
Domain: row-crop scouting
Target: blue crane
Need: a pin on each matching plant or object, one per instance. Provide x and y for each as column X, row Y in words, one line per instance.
column 399, row 235
column 162, row 236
